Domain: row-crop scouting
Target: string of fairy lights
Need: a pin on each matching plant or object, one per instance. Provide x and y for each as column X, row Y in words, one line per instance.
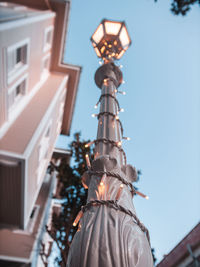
column 106, row 113
column 103, row 174
column 112, row 96
column 113, row 143
column 114, row 205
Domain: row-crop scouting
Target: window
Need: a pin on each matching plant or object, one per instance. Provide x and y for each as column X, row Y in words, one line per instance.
column 16, row 92
column 21, row 55
column 48, row 35
column 17, row 59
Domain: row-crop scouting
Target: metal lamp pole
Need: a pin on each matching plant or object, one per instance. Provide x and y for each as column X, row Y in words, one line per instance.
column 109, row 233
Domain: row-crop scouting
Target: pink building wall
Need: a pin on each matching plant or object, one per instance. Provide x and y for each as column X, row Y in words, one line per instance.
column 50, row 92
column 32, row 29
column 47, row 90
column 33, row 184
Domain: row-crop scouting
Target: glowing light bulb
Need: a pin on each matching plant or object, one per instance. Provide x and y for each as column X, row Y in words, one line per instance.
column 119, row 143
column 87, row 161
column 78, row 217
column 121, row 92
column 142, row 195
column 103, row 179
column 121, row 109
column 94, row 115
column 117, row 117
column 120, row 66
column 96, row 106
column 89, row 144
column 105, row 81
column 119, row 192
column 127, row 138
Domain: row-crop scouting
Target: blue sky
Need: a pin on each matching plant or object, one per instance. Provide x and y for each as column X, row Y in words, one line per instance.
column 162, row 106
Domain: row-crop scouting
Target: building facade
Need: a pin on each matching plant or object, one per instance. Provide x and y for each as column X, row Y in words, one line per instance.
column 186, row 253
column 37, row 96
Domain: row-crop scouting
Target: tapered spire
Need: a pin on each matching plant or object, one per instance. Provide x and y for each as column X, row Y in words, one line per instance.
column 110, row 233
column 110, row 131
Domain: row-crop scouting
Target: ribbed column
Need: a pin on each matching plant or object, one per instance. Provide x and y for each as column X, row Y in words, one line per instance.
column 110, row 234
column 109, row 126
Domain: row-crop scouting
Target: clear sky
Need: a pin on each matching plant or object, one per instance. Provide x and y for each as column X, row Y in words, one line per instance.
column 162, row 106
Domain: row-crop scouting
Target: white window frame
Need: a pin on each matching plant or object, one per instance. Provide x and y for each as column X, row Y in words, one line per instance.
column 17, row 68
column 42, row 155
column 47, row 45
column 18, row 99
column 60, row 118
column 60, row 113
column 31, row 223
column 45, row 70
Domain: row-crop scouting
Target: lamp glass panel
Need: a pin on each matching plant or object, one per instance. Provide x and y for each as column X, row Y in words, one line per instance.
column 124, row 37
column 112, row 27
column 97, row 36
column 97, row 52
column 120, row 54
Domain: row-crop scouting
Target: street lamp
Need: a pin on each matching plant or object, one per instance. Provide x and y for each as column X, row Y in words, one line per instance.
column 109, row 233
column 110, row 40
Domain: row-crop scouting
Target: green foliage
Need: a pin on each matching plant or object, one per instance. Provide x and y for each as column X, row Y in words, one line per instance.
column 153, row 255
column 72, row 196
column 182, row 6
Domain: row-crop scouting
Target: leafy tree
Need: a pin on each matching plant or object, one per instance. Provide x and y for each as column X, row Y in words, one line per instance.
column 153, row 255
column 182, row 6
column 72, row 196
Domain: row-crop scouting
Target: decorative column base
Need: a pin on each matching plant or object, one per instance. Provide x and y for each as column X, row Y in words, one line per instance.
column 109, row 233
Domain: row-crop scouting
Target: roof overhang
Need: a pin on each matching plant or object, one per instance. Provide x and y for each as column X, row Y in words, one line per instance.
column 57, row 64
